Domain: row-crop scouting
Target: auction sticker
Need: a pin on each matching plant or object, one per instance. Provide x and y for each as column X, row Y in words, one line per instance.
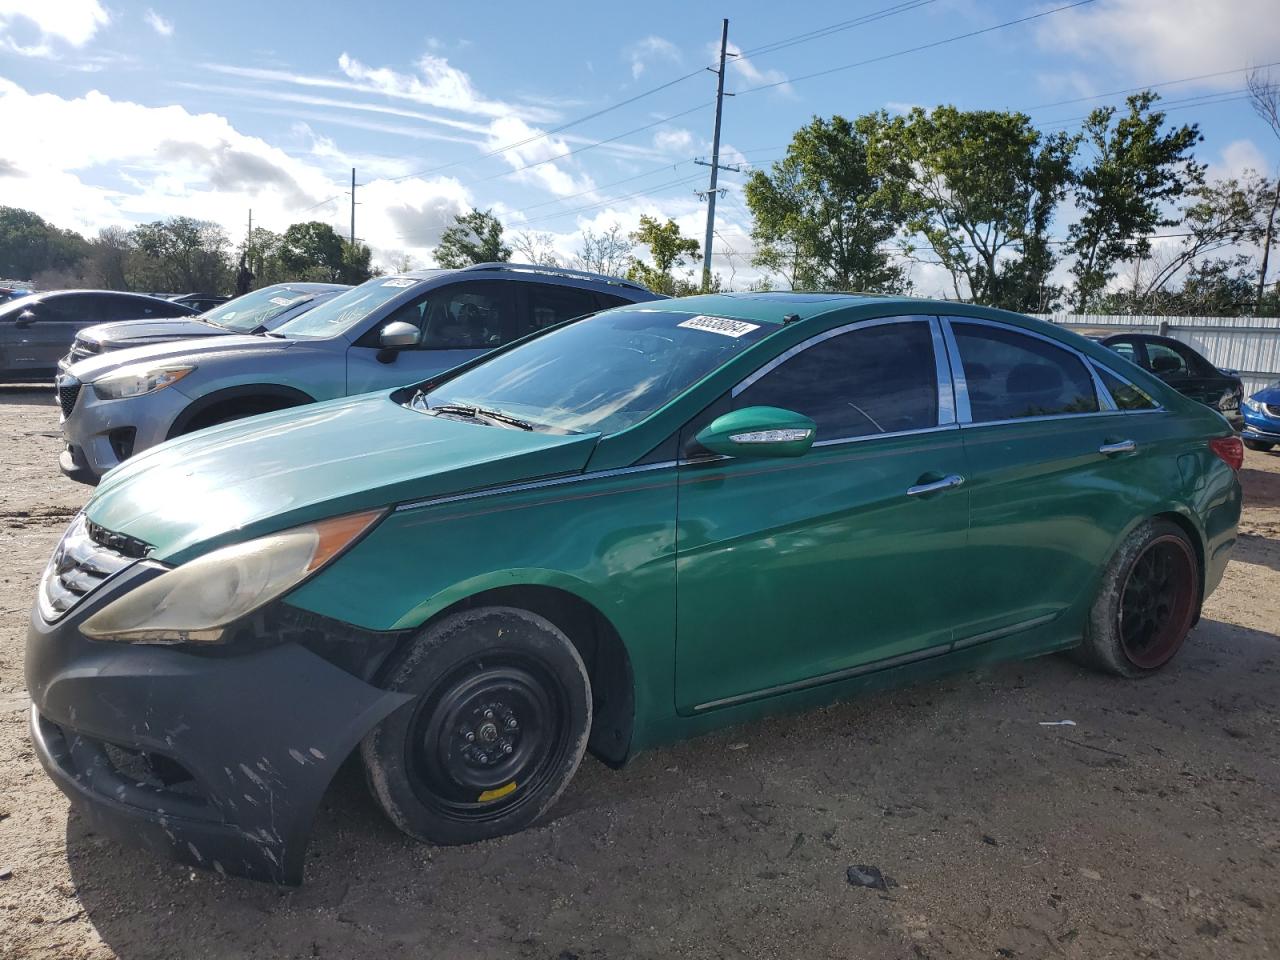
column 399, row 282
column 721, row 325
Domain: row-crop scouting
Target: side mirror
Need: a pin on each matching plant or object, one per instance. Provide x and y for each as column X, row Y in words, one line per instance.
column 25, row 319
column 399, row 335
column 759, row 432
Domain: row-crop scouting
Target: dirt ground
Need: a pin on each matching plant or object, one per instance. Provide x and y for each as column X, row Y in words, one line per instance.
column 1150, row 828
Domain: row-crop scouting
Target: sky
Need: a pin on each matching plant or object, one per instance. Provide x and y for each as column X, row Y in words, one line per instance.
column 116, row 113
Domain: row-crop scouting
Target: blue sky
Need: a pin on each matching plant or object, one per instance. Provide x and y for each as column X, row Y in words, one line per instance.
column 117, row 112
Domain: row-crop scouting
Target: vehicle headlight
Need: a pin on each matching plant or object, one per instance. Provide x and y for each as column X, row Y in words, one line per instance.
column 1227, row 401
column 139, row 378
column 1252, row 404
column 195, row 602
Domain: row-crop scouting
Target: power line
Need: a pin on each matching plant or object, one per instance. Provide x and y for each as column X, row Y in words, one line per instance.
column 923, row 46
column 820, row 32
column 1201, row 101
column 1152, row 86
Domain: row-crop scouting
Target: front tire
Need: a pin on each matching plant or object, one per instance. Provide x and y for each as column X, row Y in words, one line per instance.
column 1260, row 445
column 1147, row 603
column 497, row 726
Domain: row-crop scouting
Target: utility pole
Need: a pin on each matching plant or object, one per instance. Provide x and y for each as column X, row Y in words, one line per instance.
column 248, row 237
column 715, row 159
column 353, row 208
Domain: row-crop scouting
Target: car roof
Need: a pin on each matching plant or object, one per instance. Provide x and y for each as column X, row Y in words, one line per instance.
column 543, row 272
column 785, row 306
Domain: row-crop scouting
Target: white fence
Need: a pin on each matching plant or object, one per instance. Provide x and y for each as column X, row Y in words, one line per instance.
column 1249, row 345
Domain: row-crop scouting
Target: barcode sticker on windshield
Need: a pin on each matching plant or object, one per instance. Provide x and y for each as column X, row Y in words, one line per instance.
column 720, row 325
column 399, row 282
column 280, row 301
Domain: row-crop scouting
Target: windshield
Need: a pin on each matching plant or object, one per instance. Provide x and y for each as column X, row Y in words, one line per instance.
column 603, row 373
column 343, row 312
column 257, row 309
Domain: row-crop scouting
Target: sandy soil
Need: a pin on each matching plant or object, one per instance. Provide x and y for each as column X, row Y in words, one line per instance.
column 1149, row 829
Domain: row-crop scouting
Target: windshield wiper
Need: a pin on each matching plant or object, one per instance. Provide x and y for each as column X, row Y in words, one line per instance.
column 480, row 413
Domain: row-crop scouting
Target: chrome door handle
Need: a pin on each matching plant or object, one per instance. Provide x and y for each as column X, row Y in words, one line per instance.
column 946, row 483
column 1120, row 446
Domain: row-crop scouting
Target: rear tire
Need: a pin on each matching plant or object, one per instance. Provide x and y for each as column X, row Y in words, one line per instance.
column 1146, row 604
column 496, row 729
column 1260, row 445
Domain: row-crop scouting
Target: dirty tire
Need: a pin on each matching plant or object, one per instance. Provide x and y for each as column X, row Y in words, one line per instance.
column 1146, row 604
column 1260, row 445
column 497, row 727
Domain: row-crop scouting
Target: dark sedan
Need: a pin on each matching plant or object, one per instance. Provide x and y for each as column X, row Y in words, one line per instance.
column 1184, row 369
column 36, row 331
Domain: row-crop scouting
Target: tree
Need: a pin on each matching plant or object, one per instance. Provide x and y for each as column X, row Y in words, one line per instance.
column 822, row 217
column 475, row 237
column 181, row 254
column 535, row 247
column 608, row 252
column 1264, row 95
column 356, row 262
column 30, row 245
column 981, row 187
column 110, row 257
column 1136, row 170
column 312, row 251
column 1222, row 214
column 262, row 256
column 668, row 249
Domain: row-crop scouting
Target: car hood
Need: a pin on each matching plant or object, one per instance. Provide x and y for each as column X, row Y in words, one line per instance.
column 124, row 333
column 267, row 473
column 173, row 350
column 1269, row 395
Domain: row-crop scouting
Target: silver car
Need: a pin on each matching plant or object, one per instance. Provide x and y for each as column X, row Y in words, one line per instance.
column 257, row 312
column 384, row 333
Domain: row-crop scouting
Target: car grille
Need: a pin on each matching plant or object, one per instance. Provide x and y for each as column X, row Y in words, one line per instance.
column 68, row 391
column 85, row 559
column 83, row 349
column 1272, row 409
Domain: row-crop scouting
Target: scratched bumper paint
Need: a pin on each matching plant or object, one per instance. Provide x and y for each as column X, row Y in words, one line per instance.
column 249, row 743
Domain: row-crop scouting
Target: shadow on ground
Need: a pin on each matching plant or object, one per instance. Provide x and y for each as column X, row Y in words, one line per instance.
column 1152, row 820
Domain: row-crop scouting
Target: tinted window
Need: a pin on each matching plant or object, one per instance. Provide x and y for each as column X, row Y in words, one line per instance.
column 1125, row 394
column 1126, row 350
column 878, row 380
column 1166, row 361
column 137, row 308
column 1010, row 375
column 608, row 300
column 550, row 305
column 461, row 316
column 74, row 308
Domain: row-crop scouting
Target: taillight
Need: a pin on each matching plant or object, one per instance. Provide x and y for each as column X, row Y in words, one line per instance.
column 1229, row 450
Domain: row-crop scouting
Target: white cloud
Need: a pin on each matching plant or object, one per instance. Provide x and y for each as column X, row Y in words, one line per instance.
column 1175, row 38
column 748, row 71
column 1237, row 159
column 645, row 52
column 549, row 175
column 673, row 140
column 93, row 161
column 72, row 22
column 158, row 23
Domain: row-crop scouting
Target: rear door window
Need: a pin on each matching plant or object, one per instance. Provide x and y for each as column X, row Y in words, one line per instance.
column 1011, row 376
column 549, row 305
column 1166, row 361
column 1125, row 394
column 879, row 379
column 462, row 316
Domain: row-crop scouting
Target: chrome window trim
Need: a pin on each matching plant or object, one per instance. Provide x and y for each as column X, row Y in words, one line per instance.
column 1106, row 404
column 532, row 485
column 838, row 441
column 1098, row 366
column 945, row 396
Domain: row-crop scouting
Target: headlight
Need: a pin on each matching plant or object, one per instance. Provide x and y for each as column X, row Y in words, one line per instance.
column 139, row 378
column 193, row 603
column 1252, row 404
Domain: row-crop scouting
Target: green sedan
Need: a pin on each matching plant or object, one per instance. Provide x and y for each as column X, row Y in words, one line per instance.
column 631, row 528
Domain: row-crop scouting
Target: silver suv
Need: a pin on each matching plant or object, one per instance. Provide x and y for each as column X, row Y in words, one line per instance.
column 264, row 309
column 385, row 333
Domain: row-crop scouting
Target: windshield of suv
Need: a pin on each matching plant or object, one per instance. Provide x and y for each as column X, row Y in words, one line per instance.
column 606, row 372
column 343, row 312
column 255, row 310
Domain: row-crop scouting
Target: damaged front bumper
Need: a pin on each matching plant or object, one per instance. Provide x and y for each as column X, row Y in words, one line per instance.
column 218, row 759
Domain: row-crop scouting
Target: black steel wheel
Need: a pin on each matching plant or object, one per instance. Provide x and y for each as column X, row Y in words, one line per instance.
column 497, row 725
column 1147, row 602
